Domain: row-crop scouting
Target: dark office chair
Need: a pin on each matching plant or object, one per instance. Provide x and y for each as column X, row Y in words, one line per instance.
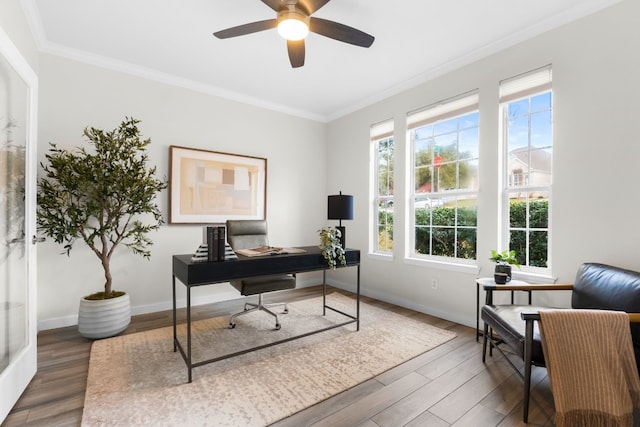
column 247, row 234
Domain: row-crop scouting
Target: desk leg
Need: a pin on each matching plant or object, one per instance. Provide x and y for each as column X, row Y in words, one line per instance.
column 324, row 292
column 358, row 301
column 189, row 331
column 175, row 331
column 477, row 312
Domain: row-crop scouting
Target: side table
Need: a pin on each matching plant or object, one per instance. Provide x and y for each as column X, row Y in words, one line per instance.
column 489, row 281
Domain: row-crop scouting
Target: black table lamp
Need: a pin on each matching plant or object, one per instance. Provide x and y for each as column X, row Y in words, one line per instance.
column 340, row 207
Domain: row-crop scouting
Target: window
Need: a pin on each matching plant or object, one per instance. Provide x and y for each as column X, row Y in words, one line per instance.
column 382, row 153
column 443, row 197
column 526, row 111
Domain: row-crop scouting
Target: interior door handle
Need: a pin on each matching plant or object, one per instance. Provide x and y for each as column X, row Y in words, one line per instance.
column 36, row 239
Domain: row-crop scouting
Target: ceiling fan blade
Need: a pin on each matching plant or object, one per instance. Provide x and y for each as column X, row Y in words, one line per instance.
column 311, row 6
column 242, row 30
column 340, row 32
column 296, row 52
column 276, row 5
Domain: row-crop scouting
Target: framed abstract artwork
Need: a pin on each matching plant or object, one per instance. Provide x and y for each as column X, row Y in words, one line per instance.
column 211, row 187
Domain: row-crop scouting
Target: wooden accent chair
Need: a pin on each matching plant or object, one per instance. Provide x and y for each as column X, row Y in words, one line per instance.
column 597, row 286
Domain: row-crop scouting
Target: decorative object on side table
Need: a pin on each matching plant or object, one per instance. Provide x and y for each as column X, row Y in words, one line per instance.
column 332, row 249
column 503, row 261
column 100, row 198
column 340, row 207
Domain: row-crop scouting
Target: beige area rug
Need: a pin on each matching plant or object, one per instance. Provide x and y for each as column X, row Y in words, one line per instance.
column 137, row 379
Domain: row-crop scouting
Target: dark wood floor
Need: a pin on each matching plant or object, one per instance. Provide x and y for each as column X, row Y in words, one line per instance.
column 447, row 386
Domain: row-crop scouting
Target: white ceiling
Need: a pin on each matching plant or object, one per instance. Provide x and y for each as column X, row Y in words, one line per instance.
column 172, row 41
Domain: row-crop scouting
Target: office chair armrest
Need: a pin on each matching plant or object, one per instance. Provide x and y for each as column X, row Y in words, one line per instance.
column 530, row 287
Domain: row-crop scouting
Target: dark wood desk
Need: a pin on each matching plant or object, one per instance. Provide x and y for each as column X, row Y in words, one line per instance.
column 193, row 274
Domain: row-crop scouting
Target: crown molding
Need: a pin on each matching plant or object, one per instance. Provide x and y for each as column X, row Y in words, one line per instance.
column 584, row 9
column 44, row 45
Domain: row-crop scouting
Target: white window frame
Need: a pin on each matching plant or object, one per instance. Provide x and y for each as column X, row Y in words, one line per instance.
column 379, row 132
column 517, row 88
column 451, row 108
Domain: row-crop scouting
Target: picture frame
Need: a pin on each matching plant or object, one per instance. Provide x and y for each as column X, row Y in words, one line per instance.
column 208, row 187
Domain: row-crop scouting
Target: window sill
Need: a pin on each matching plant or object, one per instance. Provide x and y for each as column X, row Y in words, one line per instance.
column 380, row 257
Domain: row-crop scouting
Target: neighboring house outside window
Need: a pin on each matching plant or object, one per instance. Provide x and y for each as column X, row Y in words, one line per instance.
column 444, row 150
column 527, row 140
column 382, row 151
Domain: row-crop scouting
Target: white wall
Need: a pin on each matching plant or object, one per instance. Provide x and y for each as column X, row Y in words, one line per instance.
column 74, row 95
column 596, row 69
column 596, row 87
column 13, row 22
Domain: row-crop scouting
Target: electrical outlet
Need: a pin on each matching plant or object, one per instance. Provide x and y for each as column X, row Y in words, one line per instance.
column 434, row 284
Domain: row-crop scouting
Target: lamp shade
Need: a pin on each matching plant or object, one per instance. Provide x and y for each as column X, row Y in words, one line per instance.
column 340, row 207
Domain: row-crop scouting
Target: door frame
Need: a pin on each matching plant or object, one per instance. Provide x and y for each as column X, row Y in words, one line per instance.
column 15, row 378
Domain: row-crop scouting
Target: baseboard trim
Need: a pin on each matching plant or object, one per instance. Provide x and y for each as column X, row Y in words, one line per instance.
column 432, row 311
column 72, row 320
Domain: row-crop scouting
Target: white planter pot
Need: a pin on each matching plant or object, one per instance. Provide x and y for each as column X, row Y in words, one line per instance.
column 104, row 318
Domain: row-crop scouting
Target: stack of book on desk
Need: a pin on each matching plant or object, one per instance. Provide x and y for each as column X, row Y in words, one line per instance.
column 202, row 253
column 214, row 247
column 216, row 241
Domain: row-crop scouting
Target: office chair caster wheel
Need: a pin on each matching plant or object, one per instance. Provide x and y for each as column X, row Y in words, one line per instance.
column 286, row 311
column 277, row 326
column 232, row 325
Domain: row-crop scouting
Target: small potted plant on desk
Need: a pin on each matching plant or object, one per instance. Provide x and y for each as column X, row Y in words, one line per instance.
column 504, row 260
column 101, row 197
column 332, row 250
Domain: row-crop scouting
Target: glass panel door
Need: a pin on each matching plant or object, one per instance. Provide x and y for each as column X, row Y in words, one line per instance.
column 13, row 269
column 18, row 329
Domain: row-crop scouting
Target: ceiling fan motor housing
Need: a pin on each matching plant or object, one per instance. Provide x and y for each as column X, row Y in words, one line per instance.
column 296, row 21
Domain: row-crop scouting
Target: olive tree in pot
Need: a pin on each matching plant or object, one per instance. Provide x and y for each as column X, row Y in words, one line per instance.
column 104, row 197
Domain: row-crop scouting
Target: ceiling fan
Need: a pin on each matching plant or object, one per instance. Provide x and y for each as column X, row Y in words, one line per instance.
column 294, row 22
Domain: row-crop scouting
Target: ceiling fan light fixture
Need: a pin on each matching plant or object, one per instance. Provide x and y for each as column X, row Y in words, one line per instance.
column 294, row 22
column 293, row 25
